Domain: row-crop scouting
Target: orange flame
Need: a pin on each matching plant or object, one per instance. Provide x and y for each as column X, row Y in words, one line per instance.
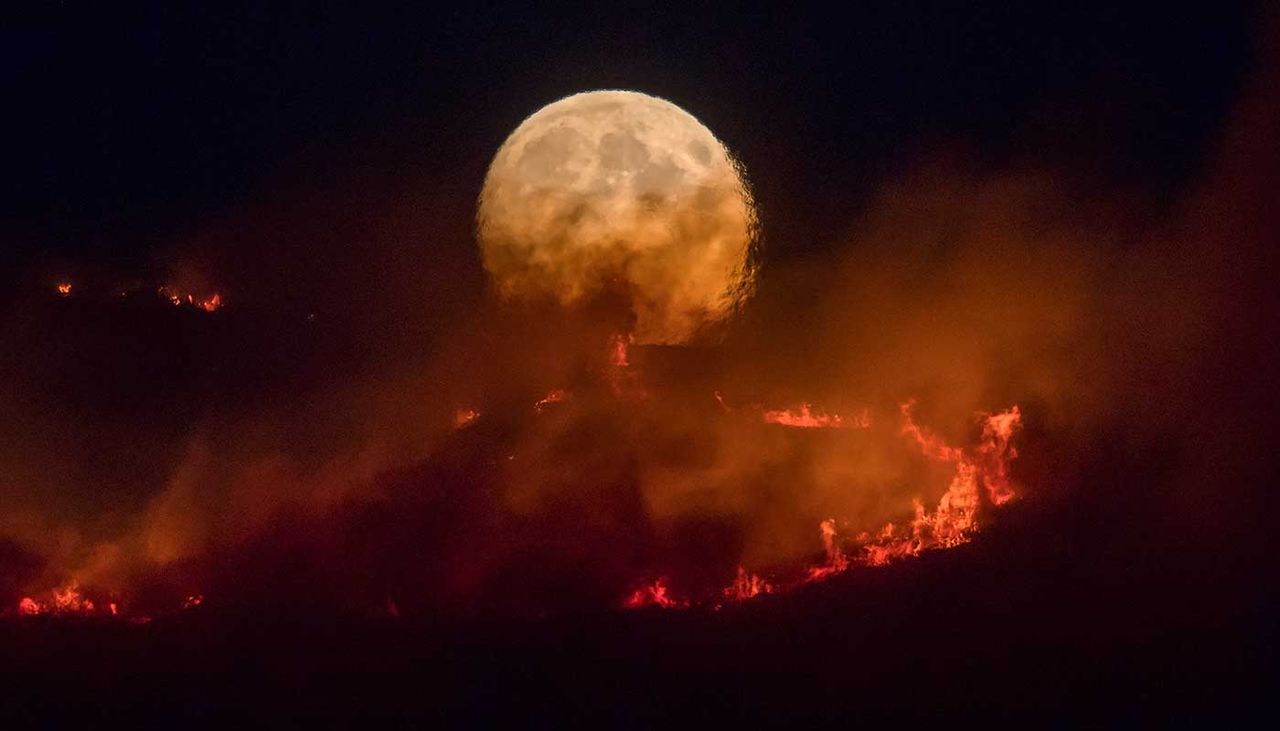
column 64, row 289
column 618, row 351
column 805, row 418
column 554, row 397
column 209, row 304
column 983, row 472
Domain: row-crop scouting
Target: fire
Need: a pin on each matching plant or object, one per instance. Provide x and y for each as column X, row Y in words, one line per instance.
column 746, row 586
column 618, row 351
column 212, row 303
column 554, row 397
column 64, row 600
column 68, row 601
column 464, row 417
column 981, row 472
column 837, row 561
column 806, row 418
column 656, row 595
column 64, row 289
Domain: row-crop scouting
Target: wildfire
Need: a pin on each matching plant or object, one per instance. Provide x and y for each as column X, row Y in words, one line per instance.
column 64, row 600
column 618, row 351
column 656, row 595
column 980, row 472
column 806, row 418
column 212, row 303
column 69, row 601
column 836, row 562
column 554, row 397
column 746, row 586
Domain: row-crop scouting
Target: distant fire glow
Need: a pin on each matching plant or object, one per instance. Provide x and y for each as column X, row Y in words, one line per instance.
column 209, row 303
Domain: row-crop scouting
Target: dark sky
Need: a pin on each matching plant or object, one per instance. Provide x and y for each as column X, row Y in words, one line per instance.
column 128, row 128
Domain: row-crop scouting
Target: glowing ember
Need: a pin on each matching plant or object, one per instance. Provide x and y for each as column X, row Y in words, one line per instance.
column 66, row 600
column 192, row 601
column 806, row 418
column 64, row 289
column 554, row 397
column 464, row 417
column 837, row 561
column 175, row 297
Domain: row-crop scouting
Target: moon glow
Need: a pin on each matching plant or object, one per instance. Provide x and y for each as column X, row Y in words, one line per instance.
column 617, row 189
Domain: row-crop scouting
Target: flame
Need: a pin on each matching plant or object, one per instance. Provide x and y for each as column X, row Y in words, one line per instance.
column 805, row 418
column 64, row 288
column 463, row 417
column 655, row 595
column 618, row 351
column 64, row 600
column 746, row 586
column 553, row 397
column 980, row 472
column 68, row 600
column 175, row 296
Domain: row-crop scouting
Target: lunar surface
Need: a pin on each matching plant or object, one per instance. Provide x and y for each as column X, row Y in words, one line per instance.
column 623, row 192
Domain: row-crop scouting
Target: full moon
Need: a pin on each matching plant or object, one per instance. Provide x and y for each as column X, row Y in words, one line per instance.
column 620, row 191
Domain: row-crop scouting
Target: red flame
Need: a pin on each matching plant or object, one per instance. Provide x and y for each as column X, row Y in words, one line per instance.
column 746, row 586
column 656, row 595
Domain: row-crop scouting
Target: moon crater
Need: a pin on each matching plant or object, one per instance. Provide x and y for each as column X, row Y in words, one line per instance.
column 620, row 190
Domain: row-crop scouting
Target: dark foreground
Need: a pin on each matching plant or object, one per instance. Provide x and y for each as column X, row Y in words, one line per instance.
column 1028, row 623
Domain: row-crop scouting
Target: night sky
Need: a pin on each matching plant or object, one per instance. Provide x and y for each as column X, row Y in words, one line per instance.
column 129, row 128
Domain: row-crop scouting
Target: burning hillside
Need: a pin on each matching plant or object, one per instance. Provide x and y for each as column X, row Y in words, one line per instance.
column 562, row 410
